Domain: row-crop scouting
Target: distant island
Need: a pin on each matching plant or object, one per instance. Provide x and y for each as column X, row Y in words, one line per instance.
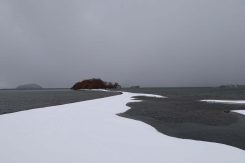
column 95, row 84
column 232, row 86
column 135, row 87
column 29, row 86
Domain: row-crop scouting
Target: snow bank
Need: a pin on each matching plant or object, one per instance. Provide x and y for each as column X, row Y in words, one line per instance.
column 240, row 102
column 91, row 132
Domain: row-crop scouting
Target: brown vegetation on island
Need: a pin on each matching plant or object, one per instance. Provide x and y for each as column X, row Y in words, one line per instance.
column 95, row 84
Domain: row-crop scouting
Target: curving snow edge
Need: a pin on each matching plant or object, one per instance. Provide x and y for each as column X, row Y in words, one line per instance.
column 90, row 131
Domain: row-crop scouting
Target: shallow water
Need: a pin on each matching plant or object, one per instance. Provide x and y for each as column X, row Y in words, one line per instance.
column 19, row 100
column 195, row 93
column 183, row 115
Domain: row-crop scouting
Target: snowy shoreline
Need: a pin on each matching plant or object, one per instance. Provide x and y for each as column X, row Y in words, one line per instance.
column 90, row 131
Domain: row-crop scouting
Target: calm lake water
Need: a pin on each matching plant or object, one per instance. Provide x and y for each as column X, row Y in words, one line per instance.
column 196, row 93
column 182, row 115
column 18, row 100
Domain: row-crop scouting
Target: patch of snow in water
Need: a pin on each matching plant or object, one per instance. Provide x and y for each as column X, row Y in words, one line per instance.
column 240, row 102
column 103, row 90
column 239, row 111
column 225, row 101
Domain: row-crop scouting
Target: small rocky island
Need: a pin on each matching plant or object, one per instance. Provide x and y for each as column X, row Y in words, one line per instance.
column 29, row 87
column 95, row 84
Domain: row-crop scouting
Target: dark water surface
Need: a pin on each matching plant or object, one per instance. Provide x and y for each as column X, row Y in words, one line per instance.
column 19, row 100
column 182, row 115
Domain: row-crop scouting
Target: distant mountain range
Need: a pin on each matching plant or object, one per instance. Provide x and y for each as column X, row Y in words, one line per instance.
column 29, row 86
column 232, row 86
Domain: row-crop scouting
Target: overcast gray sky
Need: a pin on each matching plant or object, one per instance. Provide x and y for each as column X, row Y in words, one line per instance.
column 136, row 42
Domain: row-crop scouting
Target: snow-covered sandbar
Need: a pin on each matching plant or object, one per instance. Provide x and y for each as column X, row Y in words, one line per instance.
column 91, row 132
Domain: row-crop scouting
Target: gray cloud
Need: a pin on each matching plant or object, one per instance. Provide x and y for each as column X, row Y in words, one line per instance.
column 150, row 43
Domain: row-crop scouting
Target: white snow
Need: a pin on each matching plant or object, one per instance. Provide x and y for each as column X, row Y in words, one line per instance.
column 91, row 132
column 225, row 101
column 239, row 111
column 103, row 90
column 228, row 102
